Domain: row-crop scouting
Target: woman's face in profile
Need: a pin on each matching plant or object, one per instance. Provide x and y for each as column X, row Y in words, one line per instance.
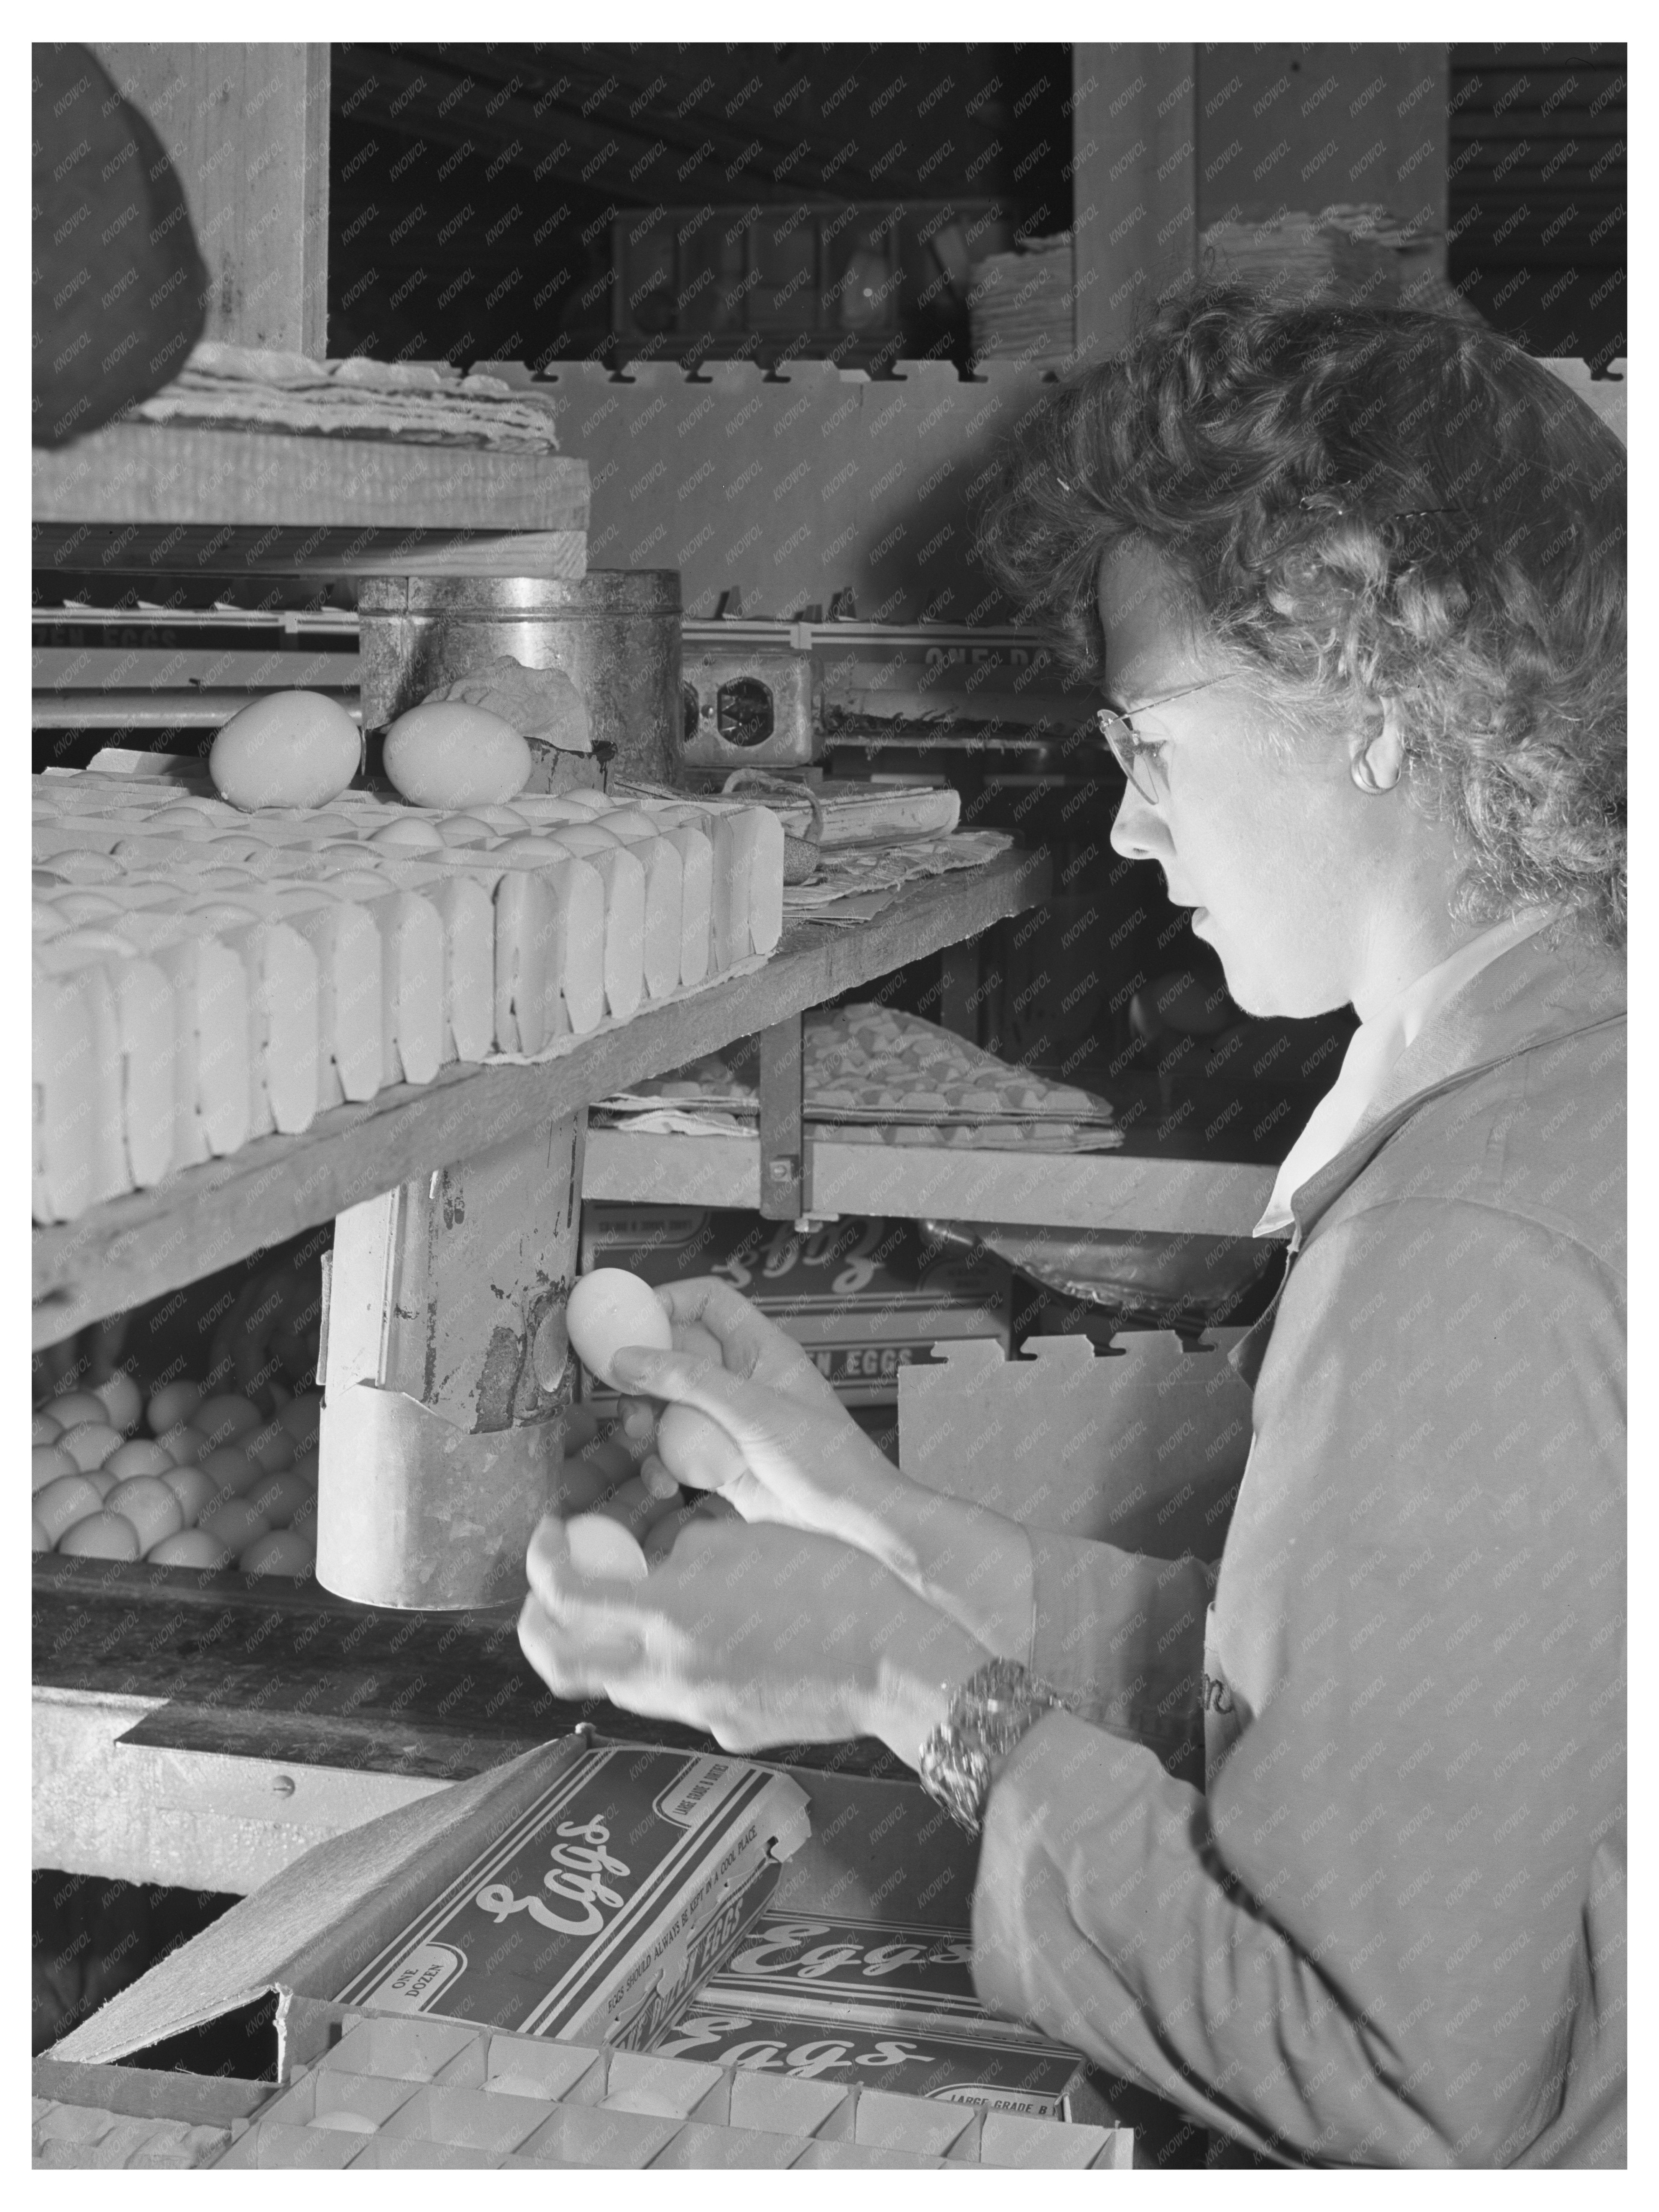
column 1269, row 843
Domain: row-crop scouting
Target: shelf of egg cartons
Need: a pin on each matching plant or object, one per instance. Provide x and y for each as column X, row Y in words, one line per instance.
column 432, row 2093
column 377, row 965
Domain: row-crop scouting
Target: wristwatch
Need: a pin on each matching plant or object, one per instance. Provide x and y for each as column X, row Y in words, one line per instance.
column 988, row 1715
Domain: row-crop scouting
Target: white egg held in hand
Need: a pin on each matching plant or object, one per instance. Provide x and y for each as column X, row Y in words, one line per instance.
column 293, row 749
column 455, row 757
column 610, row 1309
column 603, row 1547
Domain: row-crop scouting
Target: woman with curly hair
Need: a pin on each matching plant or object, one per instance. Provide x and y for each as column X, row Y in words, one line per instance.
column 1327, row 1846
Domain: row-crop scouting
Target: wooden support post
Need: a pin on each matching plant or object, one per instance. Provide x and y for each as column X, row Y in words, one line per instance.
column 1134, row 185
column 783, row 1193
column 958, row 1009
column 247, row 127
column 444, row 1372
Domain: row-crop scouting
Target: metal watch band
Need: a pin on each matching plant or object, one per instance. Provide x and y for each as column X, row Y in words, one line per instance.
column 988, row 1716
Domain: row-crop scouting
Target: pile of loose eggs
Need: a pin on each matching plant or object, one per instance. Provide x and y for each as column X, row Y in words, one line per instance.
column 601, row 1476
column 214, row 1482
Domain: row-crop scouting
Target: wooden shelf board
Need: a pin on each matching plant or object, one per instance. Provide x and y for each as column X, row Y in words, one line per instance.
column 145, row 473
column 204, row 1729
column 149, row 1242
column 196, row 549
column 1090, row 1190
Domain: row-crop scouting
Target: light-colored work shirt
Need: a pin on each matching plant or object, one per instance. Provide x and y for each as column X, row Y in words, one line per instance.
column 1373, row 1049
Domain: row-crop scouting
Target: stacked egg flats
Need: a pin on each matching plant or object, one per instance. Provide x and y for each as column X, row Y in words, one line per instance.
column 214, row 1483
column 203, row 975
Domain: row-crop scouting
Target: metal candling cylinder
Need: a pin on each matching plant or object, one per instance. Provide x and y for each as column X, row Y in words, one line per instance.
column 615, row 632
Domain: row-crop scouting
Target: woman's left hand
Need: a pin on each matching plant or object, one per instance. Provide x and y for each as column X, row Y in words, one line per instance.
column 756, row 1633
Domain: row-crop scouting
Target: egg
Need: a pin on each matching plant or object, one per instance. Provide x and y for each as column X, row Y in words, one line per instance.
column 39, row 1540
column 629, row 823
column 61, row 1503
column 454, row 757
column 302, row 1416
column 234, row 1521
column 611, row 1460
column 101, row 1480
column 410, row 831
column 171, row 1403
column 191, row 1548
column 465, row 829
column 45, row 1430
column 270, row 1447
column 48, row 1462
column 293, row 749
column 223, row 1420
column 122, row 1401
column 100, row 1536
column 140, row 1457
column 503, row 821
column 183, row 1445
column 603, row 1547
column 610, row 1309
column 282, row 1552
column 192, row 1490
column 77, row 1406
column 576, row 1487
column 278, row 1497
column 579, row 837
column 151, row 1506
column 230, row 1470
column 89, row 1443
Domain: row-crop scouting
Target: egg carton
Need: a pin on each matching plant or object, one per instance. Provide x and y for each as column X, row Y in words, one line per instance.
column 428, row 2093
column 204, row 976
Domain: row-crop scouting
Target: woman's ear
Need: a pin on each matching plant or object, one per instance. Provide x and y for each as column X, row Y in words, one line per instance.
column 1376, row 751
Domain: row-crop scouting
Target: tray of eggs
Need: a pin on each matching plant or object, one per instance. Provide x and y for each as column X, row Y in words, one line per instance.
column 186, row 1480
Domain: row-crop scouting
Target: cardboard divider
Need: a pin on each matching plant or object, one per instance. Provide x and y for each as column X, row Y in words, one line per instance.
column 930, row 2127
column 524, row 2066
column 271, row 2143
column 667, row 2089
column 325, row 2096
column 387, row 2151
column 818, row 2155
column 1018, row 2139
column 471, row 2118
column 588, row 2134
column 699, row 2146
column 402, row 2050
column 1142, row 1446
column 822, row 2110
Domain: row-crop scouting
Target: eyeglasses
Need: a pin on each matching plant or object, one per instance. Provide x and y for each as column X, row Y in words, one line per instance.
column 1141, row 759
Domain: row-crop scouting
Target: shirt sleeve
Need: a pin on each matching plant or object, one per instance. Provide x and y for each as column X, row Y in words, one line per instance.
column 1120, row 1635
column 1391, row 1933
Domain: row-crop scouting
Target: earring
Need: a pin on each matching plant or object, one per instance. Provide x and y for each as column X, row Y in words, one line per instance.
column 1366, row 777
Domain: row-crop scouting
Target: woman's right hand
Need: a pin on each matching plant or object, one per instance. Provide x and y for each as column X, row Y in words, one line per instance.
column 750, row 1416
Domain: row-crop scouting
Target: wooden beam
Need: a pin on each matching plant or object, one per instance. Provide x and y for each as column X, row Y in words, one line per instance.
column 1134, row 182
column 1084, row 1190
column 147, row 472
column 151, row 1242
column 247, row 127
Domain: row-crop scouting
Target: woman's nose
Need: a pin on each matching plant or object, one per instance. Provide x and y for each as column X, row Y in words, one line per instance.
column 1137, row 832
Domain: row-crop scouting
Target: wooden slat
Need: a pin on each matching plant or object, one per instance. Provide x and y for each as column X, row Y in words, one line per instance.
column 1134, row 185
column 151, row 1242
column 196, row 549
column 1093, row 1190
column 247, row 129
column 146, row 472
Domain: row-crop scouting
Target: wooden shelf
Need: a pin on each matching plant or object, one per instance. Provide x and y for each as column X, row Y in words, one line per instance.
column 1086, row 1190
column 141, row 1246
column 145, row 473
